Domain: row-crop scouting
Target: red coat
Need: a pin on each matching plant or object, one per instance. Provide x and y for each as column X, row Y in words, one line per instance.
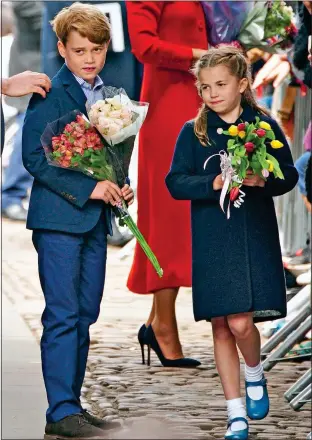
column 162, row 35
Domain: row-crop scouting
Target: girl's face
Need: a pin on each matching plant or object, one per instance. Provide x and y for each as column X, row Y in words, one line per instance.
column 220, row 90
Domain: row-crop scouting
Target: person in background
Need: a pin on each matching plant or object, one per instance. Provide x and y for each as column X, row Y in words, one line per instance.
column 24, row 56
column 302, row 164
column 167, row 37
column 23, row 84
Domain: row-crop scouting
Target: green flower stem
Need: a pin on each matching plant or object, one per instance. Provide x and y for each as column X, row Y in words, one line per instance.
column 141, row 240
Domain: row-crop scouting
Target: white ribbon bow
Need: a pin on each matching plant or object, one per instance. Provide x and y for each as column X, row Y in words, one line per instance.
column 228, row 175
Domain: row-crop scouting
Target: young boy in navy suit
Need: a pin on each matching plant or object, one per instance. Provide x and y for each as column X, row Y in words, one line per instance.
column 69, row 214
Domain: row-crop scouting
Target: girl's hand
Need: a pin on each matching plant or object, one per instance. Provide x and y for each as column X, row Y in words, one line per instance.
column 253, row 180
column 218, row 183
column 127, row 194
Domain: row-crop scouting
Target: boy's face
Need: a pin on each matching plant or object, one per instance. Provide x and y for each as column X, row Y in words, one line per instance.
column 83, row 58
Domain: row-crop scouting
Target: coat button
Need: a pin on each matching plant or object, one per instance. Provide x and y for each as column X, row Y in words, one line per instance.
column 201, row 26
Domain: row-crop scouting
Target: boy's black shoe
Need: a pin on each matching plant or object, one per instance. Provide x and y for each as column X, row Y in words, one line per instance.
column 99, row 423
column 73, row 427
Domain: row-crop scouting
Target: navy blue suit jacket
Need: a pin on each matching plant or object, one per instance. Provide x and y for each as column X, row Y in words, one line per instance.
column 122, row 68
column 59, row 197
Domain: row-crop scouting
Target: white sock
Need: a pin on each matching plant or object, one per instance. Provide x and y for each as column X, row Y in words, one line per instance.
column 235, row 408
column 254, row 374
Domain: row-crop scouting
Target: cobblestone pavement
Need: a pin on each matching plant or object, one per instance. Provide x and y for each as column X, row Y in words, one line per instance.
column 151, row 402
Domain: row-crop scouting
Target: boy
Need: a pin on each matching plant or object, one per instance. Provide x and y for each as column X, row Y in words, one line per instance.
column 70, row 218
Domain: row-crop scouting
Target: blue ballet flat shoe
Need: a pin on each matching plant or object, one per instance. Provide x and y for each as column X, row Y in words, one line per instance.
column 258, row 409
column 237, row 435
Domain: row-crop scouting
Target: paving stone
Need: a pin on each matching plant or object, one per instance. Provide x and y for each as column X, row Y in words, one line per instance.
column 152, row 402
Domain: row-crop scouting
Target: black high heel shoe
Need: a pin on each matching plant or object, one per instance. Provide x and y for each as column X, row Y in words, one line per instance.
column 141, row 338
column 151, row 342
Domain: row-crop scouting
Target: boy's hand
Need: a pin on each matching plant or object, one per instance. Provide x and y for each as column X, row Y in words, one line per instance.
column 107, row 191
column 218, row 183
column 128, row 194
column 253, row 180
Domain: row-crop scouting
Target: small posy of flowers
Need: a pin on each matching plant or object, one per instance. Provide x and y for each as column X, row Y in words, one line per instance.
column 110, row 116
column 247, row 149
column 77, row 140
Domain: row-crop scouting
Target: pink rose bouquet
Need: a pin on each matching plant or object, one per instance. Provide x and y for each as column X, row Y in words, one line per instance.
column 73, row 143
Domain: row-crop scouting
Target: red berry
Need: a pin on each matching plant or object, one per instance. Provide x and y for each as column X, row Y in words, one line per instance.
column 260, row 132
column 234, row 193
column 241, row 126
column 249, row 147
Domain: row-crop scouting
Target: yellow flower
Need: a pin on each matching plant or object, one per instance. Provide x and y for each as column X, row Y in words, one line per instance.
column 265, row 125
column 233, row 130
column 271, row 166
column 242, row 134
column 276, row 144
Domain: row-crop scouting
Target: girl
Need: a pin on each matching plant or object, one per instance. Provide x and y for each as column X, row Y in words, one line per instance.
column 238, row 276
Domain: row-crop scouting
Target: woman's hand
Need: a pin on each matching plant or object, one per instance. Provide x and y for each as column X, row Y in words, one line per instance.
column 253, row 180
column 218, row 183
column 198, row 53
column 275, row 70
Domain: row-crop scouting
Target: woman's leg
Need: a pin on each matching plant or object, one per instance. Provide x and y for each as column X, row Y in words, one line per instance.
column 152, row 313
column 226, row 357
column 247, row 337
column 164, row 323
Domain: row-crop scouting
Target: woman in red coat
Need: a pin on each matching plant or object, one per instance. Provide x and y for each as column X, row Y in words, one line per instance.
column 167, row 37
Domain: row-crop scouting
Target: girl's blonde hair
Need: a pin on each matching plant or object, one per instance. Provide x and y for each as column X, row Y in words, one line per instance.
column 238, row 65
column 86, row 19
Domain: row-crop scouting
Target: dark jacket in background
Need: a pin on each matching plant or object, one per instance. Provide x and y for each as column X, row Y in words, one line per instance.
column 121, row 68
column 25, row 49
column 300, row 55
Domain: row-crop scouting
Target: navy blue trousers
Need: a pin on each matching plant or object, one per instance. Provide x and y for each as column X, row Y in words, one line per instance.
column 72, row 275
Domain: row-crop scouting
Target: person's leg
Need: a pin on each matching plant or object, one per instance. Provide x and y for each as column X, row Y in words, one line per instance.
column 59, row 258
column 248, row 340
column 301, row 166
column 17, row 180
column 93, row 264
column 247, row 337
column 165, row 324
column 226, row 357
column 228, row 366
column 152, row 313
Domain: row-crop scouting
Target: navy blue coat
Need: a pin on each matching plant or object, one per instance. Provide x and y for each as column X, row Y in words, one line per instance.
column 59, row 198
column 236, row 263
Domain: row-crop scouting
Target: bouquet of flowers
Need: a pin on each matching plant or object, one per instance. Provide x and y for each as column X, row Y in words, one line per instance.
column 269, row 25
column 72, row 142
column 246, row 152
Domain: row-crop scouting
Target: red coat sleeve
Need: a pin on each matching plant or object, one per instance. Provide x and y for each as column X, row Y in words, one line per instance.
column 143, row 19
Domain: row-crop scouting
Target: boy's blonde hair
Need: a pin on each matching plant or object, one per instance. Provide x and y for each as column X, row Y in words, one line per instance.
column 86, row 19
column 238, row 65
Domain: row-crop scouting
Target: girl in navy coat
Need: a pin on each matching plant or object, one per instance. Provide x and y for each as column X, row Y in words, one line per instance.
column 238, row 276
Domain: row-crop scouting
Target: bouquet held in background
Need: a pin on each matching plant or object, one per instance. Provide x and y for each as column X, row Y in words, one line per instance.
column 246, row 153
column 269, row 25
column 104, row 152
